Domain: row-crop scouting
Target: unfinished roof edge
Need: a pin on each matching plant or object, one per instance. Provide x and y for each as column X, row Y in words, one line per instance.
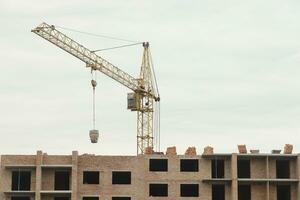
column 208, row 151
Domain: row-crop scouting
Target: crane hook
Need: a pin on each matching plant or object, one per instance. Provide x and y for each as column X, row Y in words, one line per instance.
column 94, row 83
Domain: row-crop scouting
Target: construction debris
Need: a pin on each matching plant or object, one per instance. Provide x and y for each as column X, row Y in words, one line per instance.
column 158, row 153
column 288, row 149
column 171, row 151
column 276, row 151
column 242, row 148
column 149, row 150
column 88, row 154
column 191, row 151
column 208, row 150
column 254, row 151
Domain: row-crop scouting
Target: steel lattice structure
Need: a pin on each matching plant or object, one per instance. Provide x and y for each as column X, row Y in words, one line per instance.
column 144, row 90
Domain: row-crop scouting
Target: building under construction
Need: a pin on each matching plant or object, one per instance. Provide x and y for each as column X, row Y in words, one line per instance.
column 151, row 174
column 209, row 176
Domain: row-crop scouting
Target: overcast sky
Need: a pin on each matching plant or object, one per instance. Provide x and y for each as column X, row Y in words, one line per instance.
column 228, row 74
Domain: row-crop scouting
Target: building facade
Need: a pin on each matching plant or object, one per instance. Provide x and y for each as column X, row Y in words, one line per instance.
column 145, row 177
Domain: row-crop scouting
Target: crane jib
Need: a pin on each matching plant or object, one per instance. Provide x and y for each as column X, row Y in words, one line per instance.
column 69, row 45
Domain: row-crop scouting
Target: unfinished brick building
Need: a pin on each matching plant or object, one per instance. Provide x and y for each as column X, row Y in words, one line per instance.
column 210, row 176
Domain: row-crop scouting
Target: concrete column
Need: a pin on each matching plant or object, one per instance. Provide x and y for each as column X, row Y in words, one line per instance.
column 74, row 175
column 267, row 177
column 267, row 190
column 38, row 174
column 298, row 175
column 234, row 183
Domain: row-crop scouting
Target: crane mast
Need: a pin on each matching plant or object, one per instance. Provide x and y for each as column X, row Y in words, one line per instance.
column 145, row 113
column 144, row 91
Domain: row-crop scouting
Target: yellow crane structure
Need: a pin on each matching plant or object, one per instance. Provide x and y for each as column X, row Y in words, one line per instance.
column 145, row 92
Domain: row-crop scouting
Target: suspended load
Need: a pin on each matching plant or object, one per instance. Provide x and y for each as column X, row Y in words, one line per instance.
column 94, row 135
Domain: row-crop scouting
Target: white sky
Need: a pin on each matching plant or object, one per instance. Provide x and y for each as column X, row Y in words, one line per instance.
column 228, row 73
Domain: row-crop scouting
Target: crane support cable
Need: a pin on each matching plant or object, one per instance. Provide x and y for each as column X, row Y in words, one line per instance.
column 157, row 116
column 106, row 37
column 118, row 47
column 97, row 35
column 153, row 71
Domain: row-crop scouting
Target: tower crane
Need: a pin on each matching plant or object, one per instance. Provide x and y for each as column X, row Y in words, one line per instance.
column 144, row 93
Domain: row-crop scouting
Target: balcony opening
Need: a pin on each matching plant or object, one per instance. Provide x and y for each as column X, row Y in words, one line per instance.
column 90, row 177
column 218, row 192
column 158, row 165
column 121, row 177
column 189, row 165
column 283, row 192
column 283, row 169
column 244, row 192
column 243, row 168
column 90, row 198
column 20, row 198
column 62, row 180
column 158, row 190
column 217, row 168
column 21, row 180
column 189, row 190
column 121, row 198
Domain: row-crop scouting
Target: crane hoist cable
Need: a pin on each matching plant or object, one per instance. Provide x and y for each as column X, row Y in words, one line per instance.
column 94, row 84
column 94, row 133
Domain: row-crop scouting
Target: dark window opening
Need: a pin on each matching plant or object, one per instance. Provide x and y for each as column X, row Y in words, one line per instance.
column 20, row 198
column 61, row 198
column 243, row 168
column 158, row 165
column 90, row 198
column 121, row 198
column 283, row 169
column 90, row 177
column 189, row 165
column 62, row 180
column 158, row 190
column 283, row 192
column 244, row 192
column 189, row 190
column 218, row 192
column 21, row 180
column 217, row 168
column 121, row 177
